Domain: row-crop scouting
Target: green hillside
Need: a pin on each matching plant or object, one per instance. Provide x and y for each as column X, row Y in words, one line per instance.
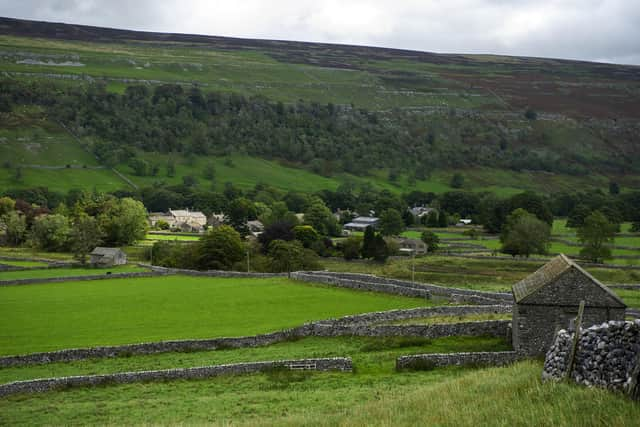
column 472, row 106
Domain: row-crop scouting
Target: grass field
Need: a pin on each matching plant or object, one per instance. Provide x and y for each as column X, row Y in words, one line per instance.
column 172, row 237
column 120, row 311
column 64, row 272
column 509, row 396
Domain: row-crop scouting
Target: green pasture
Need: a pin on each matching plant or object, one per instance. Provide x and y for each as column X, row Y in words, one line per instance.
column 67, row 272
column 108, row 312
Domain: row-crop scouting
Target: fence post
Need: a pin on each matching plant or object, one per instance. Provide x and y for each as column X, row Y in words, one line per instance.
column 576, row 338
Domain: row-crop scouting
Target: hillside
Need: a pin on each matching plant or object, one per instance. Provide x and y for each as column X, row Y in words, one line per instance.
column 427, row 115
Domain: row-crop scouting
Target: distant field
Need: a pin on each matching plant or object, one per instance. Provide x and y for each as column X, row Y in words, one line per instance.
column 175, row 236
column 63, row 272
column 120, row 311
column 14, row 263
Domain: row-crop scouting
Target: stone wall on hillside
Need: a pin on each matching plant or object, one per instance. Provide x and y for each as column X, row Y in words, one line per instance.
column 341, row 364
column 437, row 360
column 606, row 355
column 211, row 273
column 102, row 276
column 403, row 287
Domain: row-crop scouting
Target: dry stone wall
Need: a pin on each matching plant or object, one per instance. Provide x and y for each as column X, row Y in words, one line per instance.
column 211, row 273
column 32, row 281
column 341, row 364
column 430, row 361
column 402, row 287
column 606, row 355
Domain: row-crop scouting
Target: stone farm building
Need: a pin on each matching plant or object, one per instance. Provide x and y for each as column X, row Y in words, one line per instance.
column 107, row 257
column 548, row 300
column 361, row 223
column 182, row 219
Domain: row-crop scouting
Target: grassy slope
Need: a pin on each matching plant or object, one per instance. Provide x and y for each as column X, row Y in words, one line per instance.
column 108, row 312
column 507, row 396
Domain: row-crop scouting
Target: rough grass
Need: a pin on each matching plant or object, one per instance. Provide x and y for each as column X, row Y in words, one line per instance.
column 508, row 396
column 452, row 319
column 61, row 315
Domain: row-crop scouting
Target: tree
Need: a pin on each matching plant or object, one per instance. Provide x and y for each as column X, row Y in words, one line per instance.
column 171, row 168
column 124, row 222
column 380, row 252
column 306, row 235
column 351, row 247
column 220, row 249
column 84, row 237
column 7, row 204
column 209, row 171
column 50, row 232
column 430, row 239
column 15, row 227
column 391, row 223
column 280, row 230
column 443, row 220
column 595, row 235
column 432, row 219
column 457, row 180
column 524, row 234
column 238, row 212
column 291, row 256
column 614, row 188
column 408, row 218
column 577, row 216
column 369, row 243
column 320, row 218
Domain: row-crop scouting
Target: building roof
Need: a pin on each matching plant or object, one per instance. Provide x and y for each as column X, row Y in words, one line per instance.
column 192, row 214
column 102, row 251
column 548, row 273
column 365, row 220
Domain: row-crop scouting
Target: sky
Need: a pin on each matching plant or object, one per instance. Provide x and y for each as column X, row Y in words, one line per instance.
column 592, row 30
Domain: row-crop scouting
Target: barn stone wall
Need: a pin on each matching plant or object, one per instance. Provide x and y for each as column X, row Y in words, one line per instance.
column 535, row 326
column 606, row 355
column 341, row 364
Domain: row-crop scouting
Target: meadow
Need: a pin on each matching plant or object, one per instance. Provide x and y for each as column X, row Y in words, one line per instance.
column 61, row 315
column 508, row 396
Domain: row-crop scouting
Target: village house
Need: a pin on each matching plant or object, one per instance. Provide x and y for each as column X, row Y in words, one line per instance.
column 548, row 300
column 182, row 219
column 420, row 211
column 408, row 246
column 361, row 223
column 107, row 257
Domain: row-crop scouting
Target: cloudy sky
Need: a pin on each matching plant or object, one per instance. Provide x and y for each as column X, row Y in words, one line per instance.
column 597, row 30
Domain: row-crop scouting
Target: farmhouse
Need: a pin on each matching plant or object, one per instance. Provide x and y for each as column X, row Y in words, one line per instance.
column 108, row 257
column 548, row 300
column 184, row 219
column 408, row 246
column 361, row 223
column 420, row 211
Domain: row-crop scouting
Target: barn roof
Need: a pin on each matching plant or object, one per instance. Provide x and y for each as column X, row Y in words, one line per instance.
column 548, row 273
column 102, row 251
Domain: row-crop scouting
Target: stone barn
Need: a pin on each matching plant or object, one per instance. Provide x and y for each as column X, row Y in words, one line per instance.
column 548, row 300
column 108, row 257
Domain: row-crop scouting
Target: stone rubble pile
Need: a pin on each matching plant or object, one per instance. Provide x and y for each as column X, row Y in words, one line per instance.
column 605, row 357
